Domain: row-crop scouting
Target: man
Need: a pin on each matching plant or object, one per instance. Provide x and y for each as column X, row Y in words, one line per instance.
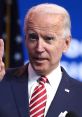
column 48, row 35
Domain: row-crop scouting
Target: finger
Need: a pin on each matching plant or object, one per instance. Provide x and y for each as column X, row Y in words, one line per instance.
column 1, row 48
column 2, row 70
column 2, row 66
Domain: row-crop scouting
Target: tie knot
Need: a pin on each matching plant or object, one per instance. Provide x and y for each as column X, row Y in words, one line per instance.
column 43, row 80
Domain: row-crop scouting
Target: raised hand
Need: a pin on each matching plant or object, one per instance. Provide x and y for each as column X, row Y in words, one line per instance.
column 2, row 66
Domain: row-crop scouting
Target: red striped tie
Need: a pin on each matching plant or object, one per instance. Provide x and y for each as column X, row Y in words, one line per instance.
column 38, row 99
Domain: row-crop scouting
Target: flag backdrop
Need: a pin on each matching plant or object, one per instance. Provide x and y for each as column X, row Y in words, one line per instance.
column 10, row 32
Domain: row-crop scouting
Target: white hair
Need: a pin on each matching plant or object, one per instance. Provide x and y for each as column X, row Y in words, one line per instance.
column 50, row 8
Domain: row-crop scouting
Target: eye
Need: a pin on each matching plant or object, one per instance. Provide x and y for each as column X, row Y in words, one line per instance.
column 33, row 36
column 49, row 38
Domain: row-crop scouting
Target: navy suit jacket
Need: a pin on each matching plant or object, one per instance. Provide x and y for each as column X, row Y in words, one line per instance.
column 14, row 95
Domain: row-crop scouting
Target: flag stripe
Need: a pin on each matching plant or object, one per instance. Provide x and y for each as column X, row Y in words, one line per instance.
column 7, row 44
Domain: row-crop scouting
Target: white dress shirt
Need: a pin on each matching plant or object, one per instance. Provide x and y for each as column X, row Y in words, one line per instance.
column 54, row 79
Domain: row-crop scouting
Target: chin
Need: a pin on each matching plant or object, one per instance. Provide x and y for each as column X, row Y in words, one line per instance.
column 41, row 73
column 40, row 70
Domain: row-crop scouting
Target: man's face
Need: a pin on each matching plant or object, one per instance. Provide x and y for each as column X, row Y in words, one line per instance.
column 44, row 42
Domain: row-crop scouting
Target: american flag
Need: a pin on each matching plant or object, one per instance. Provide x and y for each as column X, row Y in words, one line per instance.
column 11, row 34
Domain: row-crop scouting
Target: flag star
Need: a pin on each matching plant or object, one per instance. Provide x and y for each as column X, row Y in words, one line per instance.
column 17, row 56
column 18, row 39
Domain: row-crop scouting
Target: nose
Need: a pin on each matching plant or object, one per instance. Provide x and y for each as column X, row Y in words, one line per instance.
column 40, row 45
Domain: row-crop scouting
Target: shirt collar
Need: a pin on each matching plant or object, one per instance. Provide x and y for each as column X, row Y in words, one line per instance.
column 54, row 77
column 32, row 76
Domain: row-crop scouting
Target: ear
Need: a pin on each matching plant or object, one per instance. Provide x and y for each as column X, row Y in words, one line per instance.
column 67, row 43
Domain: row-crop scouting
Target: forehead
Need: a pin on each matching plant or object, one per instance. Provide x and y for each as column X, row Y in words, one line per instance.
column 45, row 22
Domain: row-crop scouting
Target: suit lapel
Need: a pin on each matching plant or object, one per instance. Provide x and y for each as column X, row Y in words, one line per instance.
column 19, row 88
column 60, row 100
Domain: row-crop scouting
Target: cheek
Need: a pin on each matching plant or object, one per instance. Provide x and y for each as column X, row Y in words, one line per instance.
column 29, row 49
column 56, row 53
column 30, row 46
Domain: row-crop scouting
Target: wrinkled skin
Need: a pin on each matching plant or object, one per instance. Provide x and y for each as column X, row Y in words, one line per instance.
column 44, row 41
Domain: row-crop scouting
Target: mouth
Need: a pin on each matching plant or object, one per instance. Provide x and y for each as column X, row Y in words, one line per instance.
column 39, row 59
